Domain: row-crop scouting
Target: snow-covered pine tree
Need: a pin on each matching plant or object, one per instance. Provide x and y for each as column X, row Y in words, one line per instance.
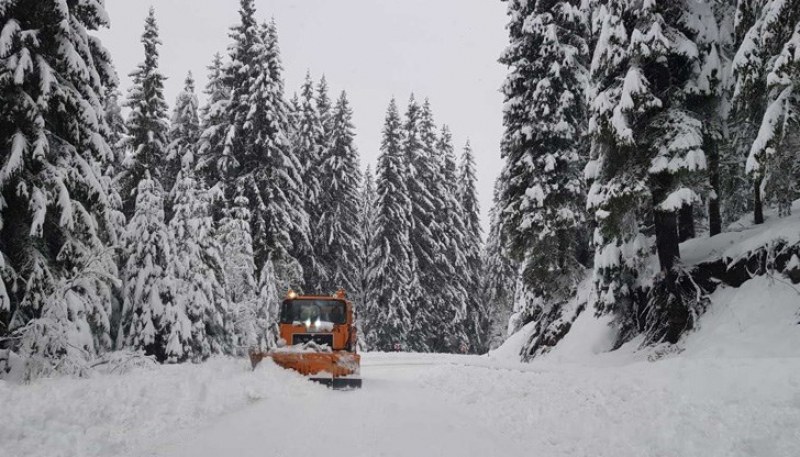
column 117, row 130
column 336, row 226
column 278, row 176
column 256, row 158
column 237, row 155
column 214, row 124
column 544, row 150
column 387, row 320
column 267, row 306
column 116, row 136
column 618, row 194
column 148, row 124
column 197, row 269
column 151, row 319
column 309, row 140
column 324, row 108
column 711, row 22
column 367, row 220
column 498, row 277
column 467, row 192
column 184, row 134
column 56, row 220
column 419, row 172
column 766, row 76
column 452, row 313
column 234, row 236
column 647, row 158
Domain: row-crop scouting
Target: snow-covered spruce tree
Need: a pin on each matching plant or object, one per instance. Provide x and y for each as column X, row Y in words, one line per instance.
column 234, row 237
column 268, row 306
column 56, row 220
column 766, row 72
column 286, row 236
column 477, row 315
column 336, row 226
column 256, row 157
column 309, row 137
column 184, row 134
column 545, row 152
column 151, row 319
column 387, row 318
column 711, row 23
column 240, row 73
column 148, row 125
column 197, row 269
column 647, row 156
column 117, row 130
column 214, row 124
column 498, row 276
column 367, row 220
column 325, row 110
column 453, row 313
column 419, row 171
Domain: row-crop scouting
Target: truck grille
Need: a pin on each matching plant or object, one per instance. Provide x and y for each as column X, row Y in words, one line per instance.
column 319, row 338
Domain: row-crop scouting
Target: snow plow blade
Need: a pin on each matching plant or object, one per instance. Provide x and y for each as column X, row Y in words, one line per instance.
column 338, row 370
column 339, row 383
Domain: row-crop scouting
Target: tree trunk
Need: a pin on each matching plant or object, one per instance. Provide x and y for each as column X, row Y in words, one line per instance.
column 686, row 223
column 667, row 242
column 758, row 205
column 666, row 223
column 714, row 210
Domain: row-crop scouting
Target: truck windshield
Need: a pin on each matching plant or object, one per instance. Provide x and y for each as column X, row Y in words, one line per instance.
column 302, row 310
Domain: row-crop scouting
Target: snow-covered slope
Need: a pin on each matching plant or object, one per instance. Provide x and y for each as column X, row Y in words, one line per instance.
column 743, row 237
column 757, row 319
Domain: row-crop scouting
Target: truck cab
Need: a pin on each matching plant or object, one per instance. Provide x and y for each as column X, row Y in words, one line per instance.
column 323, row 320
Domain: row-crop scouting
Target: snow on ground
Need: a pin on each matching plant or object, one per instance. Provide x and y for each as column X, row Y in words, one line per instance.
column 758, row 319
column 730, row 389
column 114, row 415
column 743, row 237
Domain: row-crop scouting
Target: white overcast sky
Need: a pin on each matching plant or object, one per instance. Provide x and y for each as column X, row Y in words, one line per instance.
column 445, row 50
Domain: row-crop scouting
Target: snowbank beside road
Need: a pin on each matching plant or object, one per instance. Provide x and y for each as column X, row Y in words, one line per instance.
column 759, row 319
column 683, row 407
column 761, row 308
column 118, row 415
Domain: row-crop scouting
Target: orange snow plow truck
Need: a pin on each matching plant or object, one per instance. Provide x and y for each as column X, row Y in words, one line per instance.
column 317, row 339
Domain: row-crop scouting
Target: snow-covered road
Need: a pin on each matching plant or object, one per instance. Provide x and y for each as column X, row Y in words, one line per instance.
column 417, row 405
column 731, row 389
column 395, row 414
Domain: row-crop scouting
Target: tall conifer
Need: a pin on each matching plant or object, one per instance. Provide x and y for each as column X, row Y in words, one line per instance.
column 148, row 124
column 336, row 227
column 56, row 219
column 388, row 316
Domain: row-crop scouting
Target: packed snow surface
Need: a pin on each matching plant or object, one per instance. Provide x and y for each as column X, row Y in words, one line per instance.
column 731, row 389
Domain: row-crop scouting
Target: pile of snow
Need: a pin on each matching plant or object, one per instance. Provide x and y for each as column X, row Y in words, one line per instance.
column 758, row 319
column 512, row 347
column 118, row 415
